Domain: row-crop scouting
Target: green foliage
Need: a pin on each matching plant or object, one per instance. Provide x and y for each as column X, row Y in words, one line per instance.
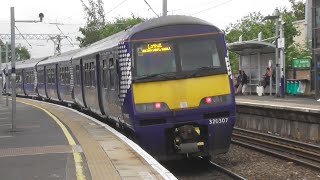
column 298, row 9
column 97, row 28
column 22, row 53
column 95, row 23
column 250, row 26
column 297, row 51
column 120, row 24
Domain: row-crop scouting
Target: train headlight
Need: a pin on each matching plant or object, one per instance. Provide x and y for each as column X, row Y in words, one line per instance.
column 215, row 100
column 152, row 107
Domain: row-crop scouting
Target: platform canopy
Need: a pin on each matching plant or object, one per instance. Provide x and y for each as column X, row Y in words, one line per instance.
column 253, row 59
column 251, row 47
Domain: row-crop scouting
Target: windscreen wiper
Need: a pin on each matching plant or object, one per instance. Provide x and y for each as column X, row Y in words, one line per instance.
column 163, row 75
column 200, row 69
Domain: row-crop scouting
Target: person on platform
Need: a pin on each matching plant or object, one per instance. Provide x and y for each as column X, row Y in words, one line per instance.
column 267, row 78
column 244, row 82
column 238, row 85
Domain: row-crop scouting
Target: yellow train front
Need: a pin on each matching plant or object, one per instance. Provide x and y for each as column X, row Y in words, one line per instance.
column 177, row 89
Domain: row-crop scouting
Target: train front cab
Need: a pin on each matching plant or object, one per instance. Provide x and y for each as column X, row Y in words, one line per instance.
column 182, row 93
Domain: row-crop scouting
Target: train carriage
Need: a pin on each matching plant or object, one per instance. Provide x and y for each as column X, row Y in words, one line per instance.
column 97, row 81
column 27, row 77
column 176, row 87
column 55, row 74
column 167, row 80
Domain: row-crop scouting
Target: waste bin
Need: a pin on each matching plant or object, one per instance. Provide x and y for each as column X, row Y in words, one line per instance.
column 289, row 87
column 295, row 87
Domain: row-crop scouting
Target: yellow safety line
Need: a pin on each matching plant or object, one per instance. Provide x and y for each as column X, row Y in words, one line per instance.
column 77, row 157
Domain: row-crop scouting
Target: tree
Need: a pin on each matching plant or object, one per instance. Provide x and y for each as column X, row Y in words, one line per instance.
column 22, row 53
column 297, row 51
column 298, row 9
column 249, row 27
column 97, row 28
column 95, row 22
column 120, row 24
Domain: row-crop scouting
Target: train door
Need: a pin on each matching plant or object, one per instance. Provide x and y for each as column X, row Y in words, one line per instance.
column 98, row 83
column 23, row 74
column 82, row 83
column 57, row 81
column 45, row 80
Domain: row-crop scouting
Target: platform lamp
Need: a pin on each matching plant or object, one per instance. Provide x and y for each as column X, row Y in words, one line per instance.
column 13, row 61
column 275, row 16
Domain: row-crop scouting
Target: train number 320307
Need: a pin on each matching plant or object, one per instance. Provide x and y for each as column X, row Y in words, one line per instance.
column 218, row 120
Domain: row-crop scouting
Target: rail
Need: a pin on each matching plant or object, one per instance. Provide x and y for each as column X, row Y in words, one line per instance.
column 303, row 153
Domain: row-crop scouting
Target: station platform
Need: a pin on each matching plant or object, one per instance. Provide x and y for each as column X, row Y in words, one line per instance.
column 302, row 104
column 296, row 118
column 55, row 142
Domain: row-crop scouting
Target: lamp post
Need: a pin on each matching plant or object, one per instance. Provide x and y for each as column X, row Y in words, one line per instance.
column 275, row 16
column 13, row 63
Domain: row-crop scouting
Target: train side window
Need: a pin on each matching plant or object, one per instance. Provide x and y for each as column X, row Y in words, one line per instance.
column 53, row 76
column 92, row 72
column 50, row 71
column 67, row 75
column 48, row 76
column 41, row 76
column 77, row 78
column 61, row 75
column 111, row 73
column 104, row 74
column 32, row 77
column 87, row 75
column 26, row 78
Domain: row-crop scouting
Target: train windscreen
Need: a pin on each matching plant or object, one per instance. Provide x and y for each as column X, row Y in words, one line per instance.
column 155, row 58
column 177, row 56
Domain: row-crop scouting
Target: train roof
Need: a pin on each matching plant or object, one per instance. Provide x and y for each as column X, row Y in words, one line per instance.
column 66, row 56
column 30, row 63
column 113, row 40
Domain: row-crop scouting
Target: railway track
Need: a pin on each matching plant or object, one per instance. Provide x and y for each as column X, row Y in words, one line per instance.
column 199, row 168
column 228, row 172
column 299, row 152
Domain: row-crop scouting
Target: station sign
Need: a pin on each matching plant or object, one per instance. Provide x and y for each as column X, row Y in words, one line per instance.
column 303, row 63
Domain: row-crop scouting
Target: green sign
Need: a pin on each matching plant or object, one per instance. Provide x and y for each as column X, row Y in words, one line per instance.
column 301, row 63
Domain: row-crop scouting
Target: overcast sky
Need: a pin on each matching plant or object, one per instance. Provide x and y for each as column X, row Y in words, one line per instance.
column 70, row 12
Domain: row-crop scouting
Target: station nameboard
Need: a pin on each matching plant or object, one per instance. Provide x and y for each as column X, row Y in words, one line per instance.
column 303, row 63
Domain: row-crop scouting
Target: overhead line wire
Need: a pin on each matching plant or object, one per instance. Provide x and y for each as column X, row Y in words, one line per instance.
column 195, row 7
column 115, row 7
column 23, row 36
column 64, row 35
column 151, row 8
column 212, row 7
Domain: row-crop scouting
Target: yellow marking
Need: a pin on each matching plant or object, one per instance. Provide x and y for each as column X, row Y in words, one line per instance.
column 200, row 144
column 197, row 129
column 182, row 92
column 77, row 157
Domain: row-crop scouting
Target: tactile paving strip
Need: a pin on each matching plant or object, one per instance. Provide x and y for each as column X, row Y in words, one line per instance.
column 27, row 151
